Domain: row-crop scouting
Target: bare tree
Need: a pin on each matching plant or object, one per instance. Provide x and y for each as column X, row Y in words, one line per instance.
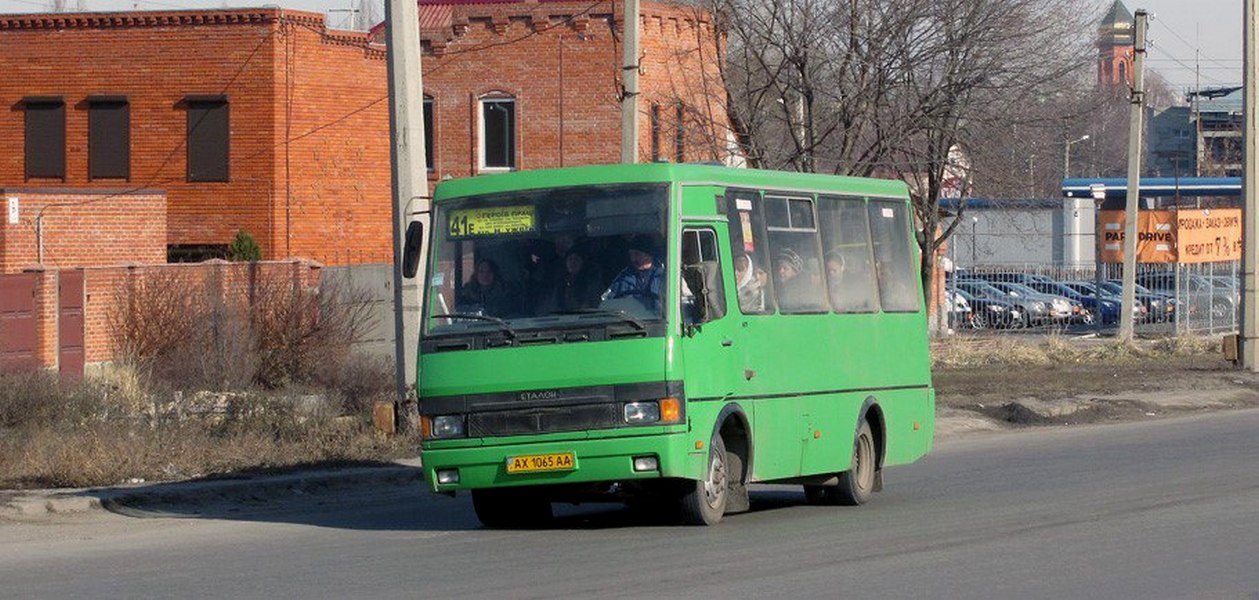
column 891, row 87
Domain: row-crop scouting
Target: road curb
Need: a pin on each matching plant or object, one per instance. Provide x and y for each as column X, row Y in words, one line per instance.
column 33, row 504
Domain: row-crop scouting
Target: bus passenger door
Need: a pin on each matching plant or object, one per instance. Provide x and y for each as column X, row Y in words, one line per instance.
column 709, row 349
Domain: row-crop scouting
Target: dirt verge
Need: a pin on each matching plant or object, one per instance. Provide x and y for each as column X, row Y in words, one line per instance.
column 1068, row 393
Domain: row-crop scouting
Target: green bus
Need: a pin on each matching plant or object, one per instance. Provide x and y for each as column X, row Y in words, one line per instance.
column 666, row 334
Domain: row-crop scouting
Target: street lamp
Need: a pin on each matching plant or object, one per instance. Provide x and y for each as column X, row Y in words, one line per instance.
column 974, row 226
column 1066, row 156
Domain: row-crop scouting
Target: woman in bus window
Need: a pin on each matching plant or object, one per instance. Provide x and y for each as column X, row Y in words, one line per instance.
column 751, row 284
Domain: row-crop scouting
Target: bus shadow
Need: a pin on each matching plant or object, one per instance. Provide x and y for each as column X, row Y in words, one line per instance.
column 401, row 504
column 619, row 516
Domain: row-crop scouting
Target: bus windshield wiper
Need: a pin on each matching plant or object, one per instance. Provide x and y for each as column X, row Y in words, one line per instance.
column 511, row 333
column 624, row 316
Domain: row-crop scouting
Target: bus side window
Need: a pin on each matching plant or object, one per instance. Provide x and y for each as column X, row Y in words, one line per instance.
column 703, row 290
column 793, row 241
column 850, row 280
column 750, row 252
column 894, row 262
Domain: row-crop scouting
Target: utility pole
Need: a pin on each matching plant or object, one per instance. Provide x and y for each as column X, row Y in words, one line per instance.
column 629, row 76
column 410, row 184
column 1250, row 194
column 1137, row 104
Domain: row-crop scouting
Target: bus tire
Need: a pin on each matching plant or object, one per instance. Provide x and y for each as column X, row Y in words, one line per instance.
column 704, row 502
column 511, row 509
column 856, row 485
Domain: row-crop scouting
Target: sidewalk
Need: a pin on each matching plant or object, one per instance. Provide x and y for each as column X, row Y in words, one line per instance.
column 34, row 504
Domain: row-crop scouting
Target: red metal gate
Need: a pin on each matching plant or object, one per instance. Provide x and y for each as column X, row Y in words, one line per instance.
column 70, row 351
column 19, row 332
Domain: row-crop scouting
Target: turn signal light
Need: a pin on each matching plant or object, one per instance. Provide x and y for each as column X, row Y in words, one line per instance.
column 670, row 410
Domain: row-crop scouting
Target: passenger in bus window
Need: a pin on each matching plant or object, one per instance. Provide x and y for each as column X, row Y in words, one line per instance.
column 643, row 279
column 792, row 284
column 843, row 296
column 578, row 287
column 486, row 291
column 751, row 284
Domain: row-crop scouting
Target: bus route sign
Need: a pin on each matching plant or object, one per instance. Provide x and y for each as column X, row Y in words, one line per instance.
column 490, row 221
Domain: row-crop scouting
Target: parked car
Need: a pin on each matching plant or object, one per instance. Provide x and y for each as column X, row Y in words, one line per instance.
column 1107, row 309
column 1159, row 307
column 961, row 315
column 1012, row 277
column 1031, row 311
column 1139, row 312
column 1060, row 309
column 1197, row 294
column 991, row 312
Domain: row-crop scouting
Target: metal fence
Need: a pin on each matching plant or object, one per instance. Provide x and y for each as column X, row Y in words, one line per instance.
column 1171, row 298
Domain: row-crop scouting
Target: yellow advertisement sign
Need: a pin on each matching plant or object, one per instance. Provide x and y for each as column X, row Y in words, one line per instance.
column 497, row 220
column 1169, row 236
column 1209, row 235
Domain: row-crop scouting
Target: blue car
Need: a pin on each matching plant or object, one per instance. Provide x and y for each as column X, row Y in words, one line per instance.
column 1109, row 310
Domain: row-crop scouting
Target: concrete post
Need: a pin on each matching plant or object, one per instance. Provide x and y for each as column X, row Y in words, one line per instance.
column 1247, row 347
column 410, row 184
column 629, row 102
column 1134, row 180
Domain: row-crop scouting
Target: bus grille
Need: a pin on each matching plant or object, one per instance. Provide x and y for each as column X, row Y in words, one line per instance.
column 544, row 420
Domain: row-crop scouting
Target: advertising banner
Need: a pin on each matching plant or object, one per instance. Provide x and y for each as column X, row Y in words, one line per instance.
column 1209, row 235
column 1169, row 236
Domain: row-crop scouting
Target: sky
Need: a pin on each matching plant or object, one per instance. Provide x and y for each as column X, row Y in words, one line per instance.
column 1184, row 34
column 1191, row 40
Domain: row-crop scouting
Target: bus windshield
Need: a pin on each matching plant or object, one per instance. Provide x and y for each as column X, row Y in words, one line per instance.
column 544, row 259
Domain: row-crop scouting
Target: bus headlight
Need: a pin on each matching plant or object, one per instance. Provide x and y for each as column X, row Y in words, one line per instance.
column 447, row 426
column 642, row 412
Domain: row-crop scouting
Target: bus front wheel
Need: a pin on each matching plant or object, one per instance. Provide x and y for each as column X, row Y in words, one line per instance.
column 511, row 508
column 704, row 502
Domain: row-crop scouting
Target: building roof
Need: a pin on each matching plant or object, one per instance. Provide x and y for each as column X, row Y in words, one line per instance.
column 1115, row 28
column 157, row 18
column 1225, row 101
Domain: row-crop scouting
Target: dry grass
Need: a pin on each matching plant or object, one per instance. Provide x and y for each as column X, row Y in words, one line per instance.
column 92, row 434
column 211, row 379
column 962, row 353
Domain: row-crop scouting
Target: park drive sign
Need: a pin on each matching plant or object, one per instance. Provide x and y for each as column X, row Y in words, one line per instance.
column 1175, row 236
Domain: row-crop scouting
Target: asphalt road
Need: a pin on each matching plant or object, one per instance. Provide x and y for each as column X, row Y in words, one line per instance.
column 1166, row 509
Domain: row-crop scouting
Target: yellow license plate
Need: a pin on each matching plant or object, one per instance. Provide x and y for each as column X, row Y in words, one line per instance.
column 532, row 463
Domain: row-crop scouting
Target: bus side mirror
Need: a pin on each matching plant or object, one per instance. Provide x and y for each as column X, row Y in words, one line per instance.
column 411, row 250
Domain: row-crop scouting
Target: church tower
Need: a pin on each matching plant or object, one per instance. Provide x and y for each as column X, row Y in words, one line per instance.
column 1114, row 47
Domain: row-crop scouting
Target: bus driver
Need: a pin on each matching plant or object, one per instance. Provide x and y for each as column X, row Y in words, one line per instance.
column 643, row 279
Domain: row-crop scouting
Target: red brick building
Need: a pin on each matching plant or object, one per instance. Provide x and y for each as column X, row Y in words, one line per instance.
column 260, row 120
column 263, row 120
column 529, row 85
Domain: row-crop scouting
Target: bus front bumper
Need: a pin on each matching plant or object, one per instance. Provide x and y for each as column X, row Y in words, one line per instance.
column 594, row 460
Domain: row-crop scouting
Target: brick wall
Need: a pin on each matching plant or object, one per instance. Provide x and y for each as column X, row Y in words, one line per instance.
column 286, row 78
column 339, row 203
column 107, row 288
column 560, row 61
column 309, row 128
column 83, row 228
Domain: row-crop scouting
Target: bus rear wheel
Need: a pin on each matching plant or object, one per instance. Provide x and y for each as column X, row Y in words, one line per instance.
column 856, row 485
column 704, row 502
column 511, row 508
